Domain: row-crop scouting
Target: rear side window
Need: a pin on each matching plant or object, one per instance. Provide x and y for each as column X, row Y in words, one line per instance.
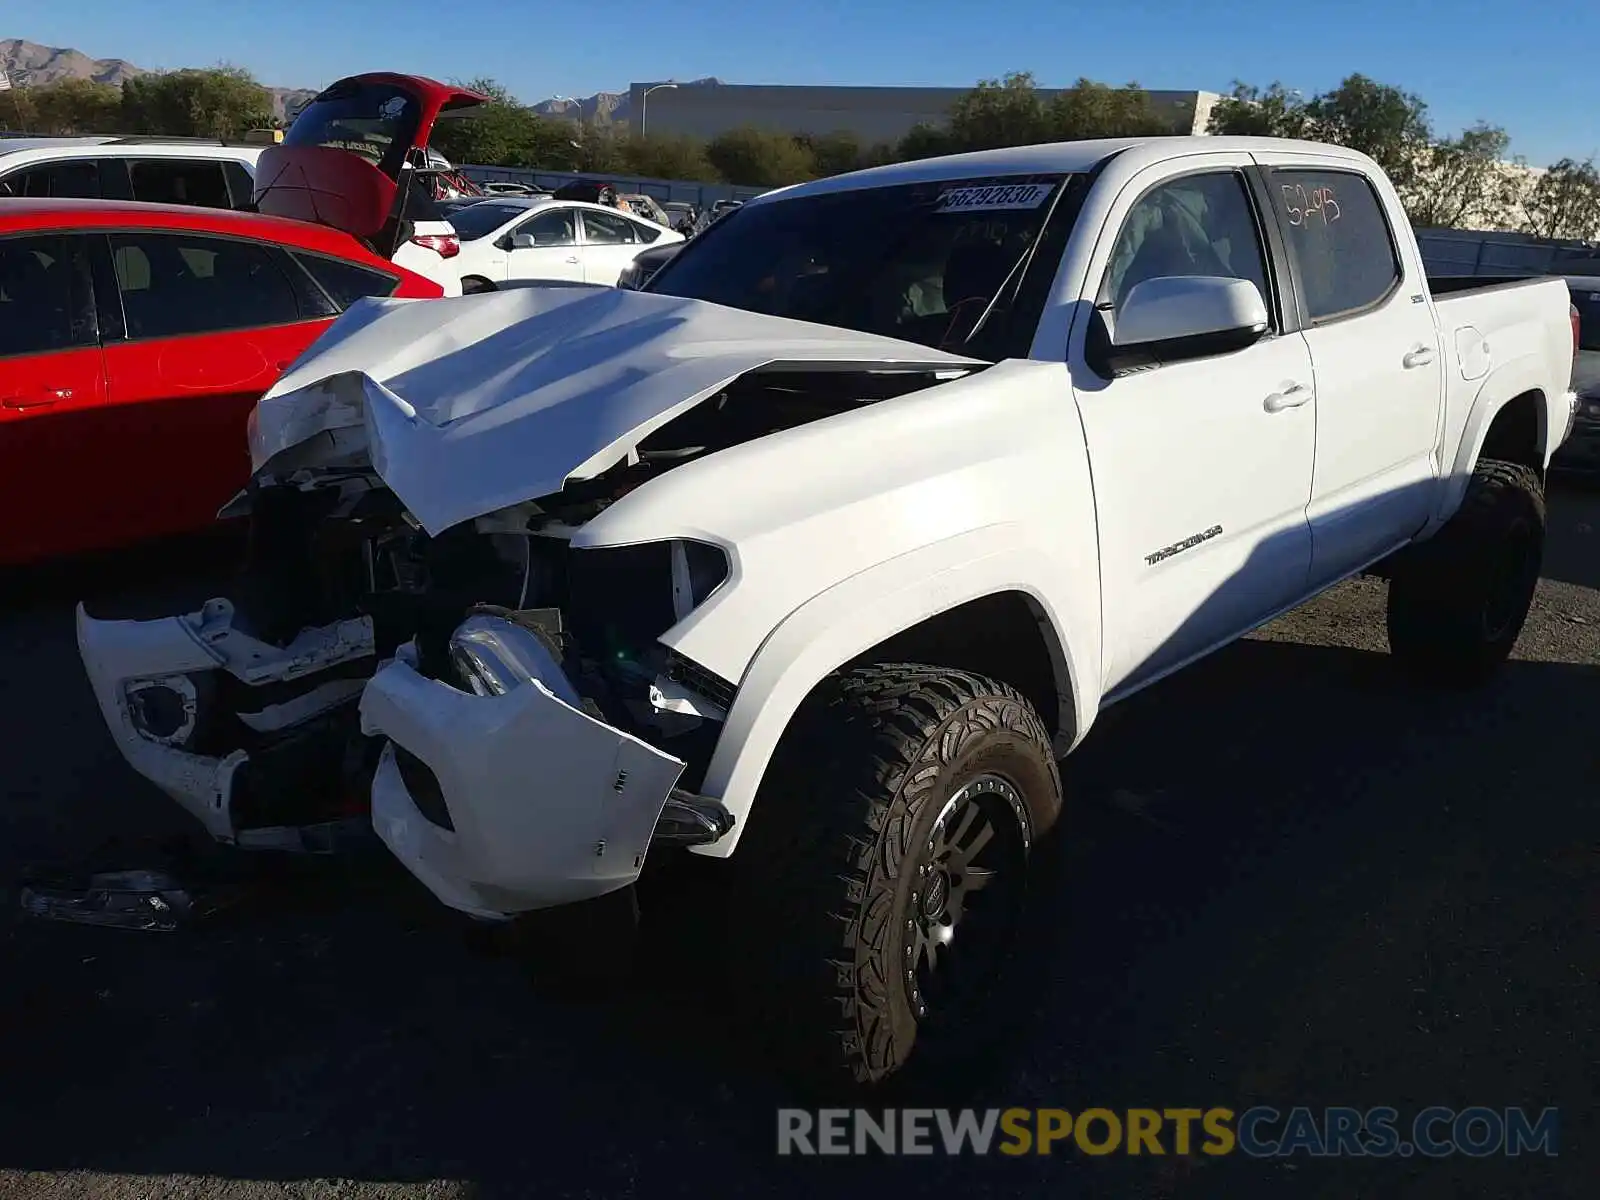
column 345, row 282
column 1340, row 238
column 76, row 179
column 174, row 284
column 608, row 230
column 38, row 296
column 180, row 181
column 646, row 233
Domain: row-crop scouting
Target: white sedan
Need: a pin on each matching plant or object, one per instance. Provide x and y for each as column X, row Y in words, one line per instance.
column 510, row 238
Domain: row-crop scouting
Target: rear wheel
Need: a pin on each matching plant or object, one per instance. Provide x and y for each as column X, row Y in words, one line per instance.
column 887, row 865
column 1457, row 603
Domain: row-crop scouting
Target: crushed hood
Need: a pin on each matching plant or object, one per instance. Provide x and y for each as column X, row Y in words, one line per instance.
column 475, row 403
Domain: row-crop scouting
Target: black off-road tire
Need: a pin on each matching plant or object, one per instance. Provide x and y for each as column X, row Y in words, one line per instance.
column 1458, row 601
column 832, row 868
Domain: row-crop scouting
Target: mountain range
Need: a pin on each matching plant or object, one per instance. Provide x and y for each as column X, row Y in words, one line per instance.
column 30, row 64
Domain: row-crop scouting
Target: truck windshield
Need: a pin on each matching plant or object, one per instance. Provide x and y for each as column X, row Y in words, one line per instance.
column 923, row 262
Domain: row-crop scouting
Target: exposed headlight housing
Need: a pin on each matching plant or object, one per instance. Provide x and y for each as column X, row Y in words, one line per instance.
column 494, row 656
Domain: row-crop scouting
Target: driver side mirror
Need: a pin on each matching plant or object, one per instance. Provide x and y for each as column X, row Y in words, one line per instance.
column 1174, row 317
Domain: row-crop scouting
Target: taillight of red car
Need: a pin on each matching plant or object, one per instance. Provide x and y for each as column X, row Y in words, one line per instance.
column 445, row 245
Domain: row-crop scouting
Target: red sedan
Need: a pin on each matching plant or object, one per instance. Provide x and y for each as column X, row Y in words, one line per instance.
column 134, row 341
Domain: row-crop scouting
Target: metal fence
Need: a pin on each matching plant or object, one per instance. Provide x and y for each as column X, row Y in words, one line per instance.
column 1465, row 252
column 661, row 190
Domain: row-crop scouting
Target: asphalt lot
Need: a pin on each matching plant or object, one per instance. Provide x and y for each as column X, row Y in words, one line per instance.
column 1290, row 879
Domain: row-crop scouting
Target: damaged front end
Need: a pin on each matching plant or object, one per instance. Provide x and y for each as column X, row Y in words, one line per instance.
column 418, row 634
column 449, row 682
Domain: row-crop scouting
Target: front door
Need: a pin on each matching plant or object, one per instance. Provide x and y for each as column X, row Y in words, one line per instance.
column 554, row 253
column 54, row 459
column 1380, row 372
column 1202, row 467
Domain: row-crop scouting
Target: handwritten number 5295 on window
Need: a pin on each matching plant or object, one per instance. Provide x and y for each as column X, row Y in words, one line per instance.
column 1306, row 206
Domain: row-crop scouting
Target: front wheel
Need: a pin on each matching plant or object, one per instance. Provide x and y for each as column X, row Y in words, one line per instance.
column 889, row 851
column 1457, row 603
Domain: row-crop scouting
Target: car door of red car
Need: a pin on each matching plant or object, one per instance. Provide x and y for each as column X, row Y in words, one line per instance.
column 52, row 392
column 207, row 324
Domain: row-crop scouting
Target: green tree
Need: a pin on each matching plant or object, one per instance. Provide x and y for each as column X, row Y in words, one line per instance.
column 1249, row 111
column 221, row 101
column 1000, row 112
column 502, row 133
column 1464, row 181
column 1386, row 124
column 67, row 106
column 834, row 153
column 924, row 141
column 595, row 148
column 670, row 157
column 1095, row 110
column 1564, row 202
column 758, row 158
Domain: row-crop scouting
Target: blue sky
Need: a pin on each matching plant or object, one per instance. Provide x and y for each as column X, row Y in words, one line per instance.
column 1529, row 66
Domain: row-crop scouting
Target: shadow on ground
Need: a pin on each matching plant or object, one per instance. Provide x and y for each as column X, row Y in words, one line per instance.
column 1289, row 880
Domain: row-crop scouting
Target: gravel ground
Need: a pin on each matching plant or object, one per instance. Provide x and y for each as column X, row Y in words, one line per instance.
column 1290, row 879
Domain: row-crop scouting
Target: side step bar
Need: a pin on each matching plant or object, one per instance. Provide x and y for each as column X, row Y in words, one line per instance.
column 690, row 820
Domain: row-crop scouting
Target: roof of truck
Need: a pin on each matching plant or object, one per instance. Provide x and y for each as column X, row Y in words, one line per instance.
column 1054, row 158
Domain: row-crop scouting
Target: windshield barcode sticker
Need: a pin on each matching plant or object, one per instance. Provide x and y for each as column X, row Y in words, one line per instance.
column 995, row 198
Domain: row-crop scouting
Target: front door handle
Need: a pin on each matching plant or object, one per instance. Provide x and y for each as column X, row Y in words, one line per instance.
column 1291, row 395
column 1417, row 356
column 43, row 398
column 573, row 260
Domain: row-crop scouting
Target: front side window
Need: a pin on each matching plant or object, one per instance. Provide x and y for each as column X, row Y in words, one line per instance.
column 607, row 229
column 554, row 227
column 1340, row 241
column 75, row 179
column 926, row 262
column 38, row 295
column 1195, row 225
column 174, row 284
column 199, row 182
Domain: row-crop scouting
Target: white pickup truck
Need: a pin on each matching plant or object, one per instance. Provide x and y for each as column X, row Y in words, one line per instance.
column 830, row 543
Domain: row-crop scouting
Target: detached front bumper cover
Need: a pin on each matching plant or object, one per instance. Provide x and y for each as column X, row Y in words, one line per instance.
column 547, row 805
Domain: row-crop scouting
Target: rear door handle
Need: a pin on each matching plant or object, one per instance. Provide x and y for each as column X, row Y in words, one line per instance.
column 573, row 260
column 1417, row 356
column 1291, row 395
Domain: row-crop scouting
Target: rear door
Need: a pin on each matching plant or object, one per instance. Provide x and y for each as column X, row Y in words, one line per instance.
column 1375, row 350
column 53, row 460
column 195, row 328
column 610, row 240
column 556, row 252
